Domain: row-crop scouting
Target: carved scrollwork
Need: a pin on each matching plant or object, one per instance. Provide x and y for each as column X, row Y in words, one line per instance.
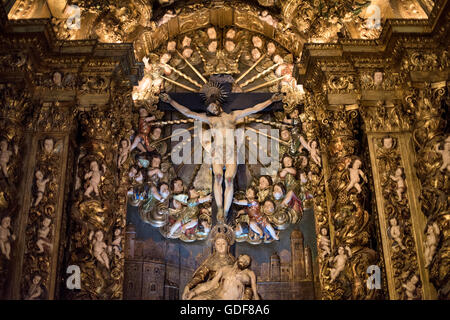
column 385, row 117
column 398, row 217
column 40, row 229
column 344, row 273
column 427, row 105
column 14, row 106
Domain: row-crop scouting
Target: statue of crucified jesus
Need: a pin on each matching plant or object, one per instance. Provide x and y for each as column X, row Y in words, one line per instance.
column 221, row 123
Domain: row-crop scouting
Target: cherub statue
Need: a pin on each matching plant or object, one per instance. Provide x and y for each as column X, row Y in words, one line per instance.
column 396, row 232
column 266, row 17
column 43, row 235
column 288, row 199
column 256, row 217
column 6, row 236
column 41, row 184
column 5, row 155
column 264, row 187
column 340, row 260
column 445, row 153
column 431, row 242
column 150, row 210
column 314, row 152
column 398, row 177
column 411, row 287
column 324, row 242
column 124, row 150
column 94, row 177
column 117, row 243
column 48, row 146
column 142, row 141
column 288, row 173
column 188, row 219
column 154, row 173
column 355, row 174
column 35, row 290
column 166, row 17
column 99, row 248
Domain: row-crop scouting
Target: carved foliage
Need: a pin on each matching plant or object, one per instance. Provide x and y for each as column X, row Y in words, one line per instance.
column 431, row 142
column 40, row 229
column 398, row 217
column 350, row 219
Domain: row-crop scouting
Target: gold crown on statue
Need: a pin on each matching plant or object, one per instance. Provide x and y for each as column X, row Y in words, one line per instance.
column 223, row 231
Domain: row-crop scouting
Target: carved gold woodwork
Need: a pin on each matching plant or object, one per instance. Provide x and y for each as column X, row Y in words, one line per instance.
column 50, row 129
column 14, row 105
column 427, row 105
column 397, row 227
column 312, row 120
column 345, row 273
column 98, row 209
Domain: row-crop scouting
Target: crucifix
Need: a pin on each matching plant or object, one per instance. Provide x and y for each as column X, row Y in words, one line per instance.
column 221, row 118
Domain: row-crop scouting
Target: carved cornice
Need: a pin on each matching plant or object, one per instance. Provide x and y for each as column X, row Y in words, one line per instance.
column 384, row 52
column 37, row 36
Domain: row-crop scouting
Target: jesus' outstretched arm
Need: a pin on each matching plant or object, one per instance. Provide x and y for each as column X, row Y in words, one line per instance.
column 239, row 114
column 186, row 111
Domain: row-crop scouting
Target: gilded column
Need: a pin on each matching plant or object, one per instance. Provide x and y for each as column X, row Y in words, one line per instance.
column 44, row 201
column 97, row 222
column 431, row 140
column 312, row 120
column 388, row 130
column 345, row 273
column 14, row 104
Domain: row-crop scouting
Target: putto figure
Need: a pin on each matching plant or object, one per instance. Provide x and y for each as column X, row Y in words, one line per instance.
column 222, row 124
column 6, row 236
column 355, row 174
column 94, row 176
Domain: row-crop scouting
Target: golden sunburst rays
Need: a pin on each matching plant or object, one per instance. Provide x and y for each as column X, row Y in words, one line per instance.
column 267, row 135
column 242, row 76
column 183, row 75
column 179, row 84
column 270, row 123
column 198, row 73
column 193, row 85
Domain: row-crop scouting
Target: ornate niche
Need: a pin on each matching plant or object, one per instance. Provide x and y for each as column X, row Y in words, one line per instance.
column 234, row 63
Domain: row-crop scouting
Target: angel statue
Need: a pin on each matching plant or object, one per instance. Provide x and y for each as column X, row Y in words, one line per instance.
column 217, row 267
column 221, row 123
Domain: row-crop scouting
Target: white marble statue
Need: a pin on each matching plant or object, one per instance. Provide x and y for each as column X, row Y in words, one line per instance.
column 166, row 17
column 431, row 242
column 398, row 177
column 324, row 243
column 396, row 232
column 339, row 262
column 35, row 290
column 266, row 17
column 6, row 236
column 445, row 155
column 117, row 243
column 99, row 248
column 41, row 184
column 5, row 155
column 124, row 150
column 314, row 152
column 355, row 176
column 94, row 176
column 43, row 236
column 411, row 287
column 228, row 283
